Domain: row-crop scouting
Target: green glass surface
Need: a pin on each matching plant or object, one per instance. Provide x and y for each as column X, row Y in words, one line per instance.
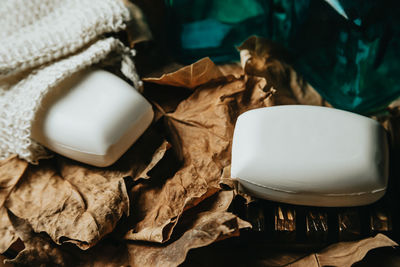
column 213, row 28
column 347, row 49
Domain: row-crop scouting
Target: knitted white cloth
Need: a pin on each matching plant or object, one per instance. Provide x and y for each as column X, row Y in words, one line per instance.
column 41, row 43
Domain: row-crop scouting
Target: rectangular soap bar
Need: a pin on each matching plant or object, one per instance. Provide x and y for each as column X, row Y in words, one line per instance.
column 93, row 117
column 309, row 155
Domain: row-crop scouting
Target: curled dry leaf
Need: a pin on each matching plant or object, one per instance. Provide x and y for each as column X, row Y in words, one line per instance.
column 68, row 202
column 206, row 223
column 79, row 204
column 11, row 170
column 191, row 76
column 208, row 227
column 198, row 228
column 345, row 253
column 391, row 122
column 201, row 129
column 7, row 232
column 137, row 29
column 264, row 58
column 157, row 156
column 232, row 69
column 138, row 161
column 39, row 249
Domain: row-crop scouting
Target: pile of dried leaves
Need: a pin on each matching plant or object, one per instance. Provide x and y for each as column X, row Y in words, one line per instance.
column 165, row 196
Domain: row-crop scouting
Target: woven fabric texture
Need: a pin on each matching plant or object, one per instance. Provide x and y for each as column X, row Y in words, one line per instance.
column 42, row 43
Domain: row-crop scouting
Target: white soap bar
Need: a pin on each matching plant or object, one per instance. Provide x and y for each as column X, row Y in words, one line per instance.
column 310, row 155
column 93, row 117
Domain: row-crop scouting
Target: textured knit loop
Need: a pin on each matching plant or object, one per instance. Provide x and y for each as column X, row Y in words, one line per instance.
column 42, row 43
column 70, row 23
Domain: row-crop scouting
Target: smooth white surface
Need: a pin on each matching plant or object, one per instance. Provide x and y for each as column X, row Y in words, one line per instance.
column 310, row 155
column 93, row 117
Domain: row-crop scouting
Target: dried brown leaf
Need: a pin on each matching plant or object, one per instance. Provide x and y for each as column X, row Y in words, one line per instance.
column 79, row 204
column 68, row 202
column 39, row 249
column 263, row 58
column 345, row 253
column 232, row 69
column 208, row 227
column 199, row 228
column 7, row 232
column 11, row 170
column 137, row 29
column 2, row 264
column 198, row 73
column 157, row 156
column 140, row 159
column 201, row 128
column 391, row 123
